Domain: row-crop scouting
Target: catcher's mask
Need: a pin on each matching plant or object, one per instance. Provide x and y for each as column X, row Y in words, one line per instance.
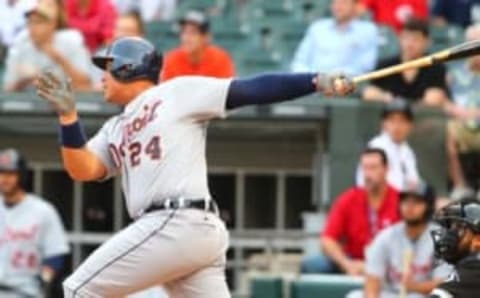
column 454, row 220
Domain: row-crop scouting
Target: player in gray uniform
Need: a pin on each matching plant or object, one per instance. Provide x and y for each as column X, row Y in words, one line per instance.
column 157, row 144
column 400, row 262
column 33, row 243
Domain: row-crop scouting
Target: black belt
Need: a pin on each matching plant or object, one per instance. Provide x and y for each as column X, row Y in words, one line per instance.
column 201, row 204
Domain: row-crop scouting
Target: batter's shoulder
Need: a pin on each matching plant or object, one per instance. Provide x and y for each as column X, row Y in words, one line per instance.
column 391, row 233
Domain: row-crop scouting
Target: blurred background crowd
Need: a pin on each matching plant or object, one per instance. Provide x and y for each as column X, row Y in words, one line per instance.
column 228, row 38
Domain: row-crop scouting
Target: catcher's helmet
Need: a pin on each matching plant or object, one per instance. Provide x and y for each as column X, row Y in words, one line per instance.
column 12, row 161
column 423, row 192
column 453, row 220
column 132, row 58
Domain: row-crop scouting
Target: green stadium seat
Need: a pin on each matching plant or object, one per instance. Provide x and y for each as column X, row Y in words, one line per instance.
column 272, row 9
column 256, row 60
column 388, row 46
column 325, row 286
column 445, row 36
column 163, row 35
column 311, row 10
column 202, row 5
column 264, row 287
column 290, row 37
column 229, row 33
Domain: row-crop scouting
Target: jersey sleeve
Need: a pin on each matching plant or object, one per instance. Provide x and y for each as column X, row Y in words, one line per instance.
column 100, row 146
column 377, row 256
column 54, row 239
column 199, row 98
column 442, row 271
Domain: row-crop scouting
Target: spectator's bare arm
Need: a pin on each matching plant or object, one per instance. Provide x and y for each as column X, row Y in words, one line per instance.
column 334, row 251
column 374, row 93
column 373, row 285
column 435, row 97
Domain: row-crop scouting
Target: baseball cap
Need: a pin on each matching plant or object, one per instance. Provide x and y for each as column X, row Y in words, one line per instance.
column 9, row 160
column 196, row 18
column 420, row 191
column 42, row 8
column 398, row 105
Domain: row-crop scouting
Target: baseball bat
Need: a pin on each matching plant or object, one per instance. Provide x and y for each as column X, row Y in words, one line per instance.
column 407, row 261
column 463, row 50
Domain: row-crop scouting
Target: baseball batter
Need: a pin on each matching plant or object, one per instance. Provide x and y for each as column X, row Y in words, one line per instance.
column 33, row 243
column 157, row 145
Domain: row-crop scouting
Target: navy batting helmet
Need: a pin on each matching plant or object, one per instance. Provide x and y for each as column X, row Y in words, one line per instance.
column 12, row 161
column 132, row 58
column 423, row 192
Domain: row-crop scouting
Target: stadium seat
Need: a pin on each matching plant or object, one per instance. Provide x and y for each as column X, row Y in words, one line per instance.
column 207, row 6
column 290, row 37
column 163, row 35
column 266, row 288
column 445, row 36
column 325, row 286
column 388, row 44
column 259, row 60
column 229, row 33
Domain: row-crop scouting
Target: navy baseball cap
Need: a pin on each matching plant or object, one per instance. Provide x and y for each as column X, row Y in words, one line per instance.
column 196, row 18
column 10, row 160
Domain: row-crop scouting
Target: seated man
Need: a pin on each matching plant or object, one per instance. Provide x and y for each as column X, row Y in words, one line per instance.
column 197, row 55
column 355, row 218
column 401, row 258
column 464, row 129
column 397, row 125
column 425, row 84
column 339, row 43
column 46, row 45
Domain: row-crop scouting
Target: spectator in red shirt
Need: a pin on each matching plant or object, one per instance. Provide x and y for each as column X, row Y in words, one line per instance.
column 355, row 218
column 94, row 18
column 395, row 13
column 196, row 55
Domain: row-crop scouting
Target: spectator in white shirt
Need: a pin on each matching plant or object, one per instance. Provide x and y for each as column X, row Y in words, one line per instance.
column 397, row 125
column 12, row 20
column 46, row 44
column 150, row 10
column 340, row 43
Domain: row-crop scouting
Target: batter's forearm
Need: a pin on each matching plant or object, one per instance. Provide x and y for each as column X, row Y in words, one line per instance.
column 80, row 163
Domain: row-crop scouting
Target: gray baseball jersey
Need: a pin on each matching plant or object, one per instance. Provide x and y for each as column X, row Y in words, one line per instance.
column 33, row 232
column 385, row 258
column 158, row 142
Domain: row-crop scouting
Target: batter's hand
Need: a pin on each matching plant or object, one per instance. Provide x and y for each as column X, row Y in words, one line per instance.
column 334, row 85
column 56, row 91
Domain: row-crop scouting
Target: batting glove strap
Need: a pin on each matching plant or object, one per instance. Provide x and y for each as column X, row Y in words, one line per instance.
column 73, row 135
column 333, row 84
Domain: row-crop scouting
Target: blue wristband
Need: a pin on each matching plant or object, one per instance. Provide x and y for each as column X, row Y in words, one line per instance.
column 72, row 135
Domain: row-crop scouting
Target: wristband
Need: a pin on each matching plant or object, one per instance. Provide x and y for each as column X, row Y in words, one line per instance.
column 72, row 135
